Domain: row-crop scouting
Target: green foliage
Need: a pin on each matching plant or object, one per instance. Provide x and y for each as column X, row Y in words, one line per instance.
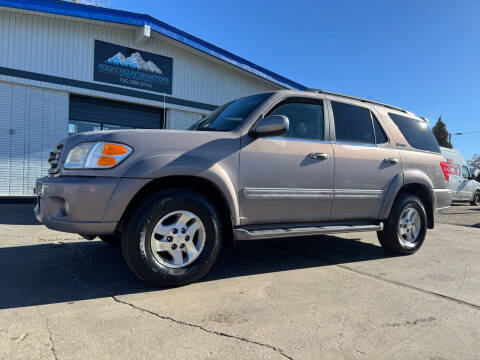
column 441, row 133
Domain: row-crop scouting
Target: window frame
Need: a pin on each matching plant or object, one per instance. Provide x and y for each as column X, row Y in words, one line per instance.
column 302, row 100
column 372, row 116
column 406, row 145
column 372, row 113
column 468, row 172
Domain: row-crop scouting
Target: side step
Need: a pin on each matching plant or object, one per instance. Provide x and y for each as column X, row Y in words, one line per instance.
column 279, row 231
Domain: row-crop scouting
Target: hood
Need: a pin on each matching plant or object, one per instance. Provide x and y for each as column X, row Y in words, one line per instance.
column 149, row 143
column 152, row 139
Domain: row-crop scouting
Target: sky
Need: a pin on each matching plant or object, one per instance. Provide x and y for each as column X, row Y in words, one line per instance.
column 423, row 56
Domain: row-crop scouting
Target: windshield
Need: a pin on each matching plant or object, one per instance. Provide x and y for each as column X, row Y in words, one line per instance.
column 227, row 117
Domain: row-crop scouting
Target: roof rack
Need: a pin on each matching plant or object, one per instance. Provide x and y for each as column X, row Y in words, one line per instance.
column 359, row 99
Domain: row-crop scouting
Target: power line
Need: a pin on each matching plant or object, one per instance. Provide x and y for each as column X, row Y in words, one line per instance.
column 466, row 132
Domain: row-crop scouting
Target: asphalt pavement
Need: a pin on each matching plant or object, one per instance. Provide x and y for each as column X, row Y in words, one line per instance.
column 326, row 297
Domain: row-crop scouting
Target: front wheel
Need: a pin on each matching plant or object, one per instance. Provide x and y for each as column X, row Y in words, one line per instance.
column 405, row 229
column 476, row 199
column 172, row 239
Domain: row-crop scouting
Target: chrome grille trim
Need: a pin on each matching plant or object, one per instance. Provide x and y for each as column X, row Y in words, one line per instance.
column 54, row 159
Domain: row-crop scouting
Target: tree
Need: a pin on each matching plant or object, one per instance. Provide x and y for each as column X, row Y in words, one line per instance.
column 441, row 133
column 474, row 161
column 103, row 3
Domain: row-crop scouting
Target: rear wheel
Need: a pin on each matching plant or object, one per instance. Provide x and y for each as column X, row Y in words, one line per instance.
column 476, row 199
column 172, row 239
column 405, row 229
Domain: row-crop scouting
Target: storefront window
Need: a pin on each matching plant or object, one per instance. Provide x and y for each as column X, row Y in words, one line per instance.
column 75, row 127
column 115, row 127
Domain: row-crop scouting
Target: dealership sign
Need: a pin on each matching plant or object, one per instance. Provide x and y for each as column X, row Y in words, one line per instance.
column 120, row 65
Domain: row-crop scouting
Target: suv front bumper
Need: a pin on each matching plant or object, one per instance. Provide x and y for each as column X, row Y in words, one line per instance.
column 75, row 204
column 84, row 205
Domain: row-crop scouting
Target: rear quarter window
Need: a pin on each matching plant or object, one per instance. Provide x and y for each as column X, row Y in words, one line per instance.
column 417, row 132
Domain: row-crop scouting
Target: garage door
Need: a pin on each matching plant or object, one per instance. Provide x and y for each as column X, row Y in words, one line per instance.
column 32, row 121
column 90, row 113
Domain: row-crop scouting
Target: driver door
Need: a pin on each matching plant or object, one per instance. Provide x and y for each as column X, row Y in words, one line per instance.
column 288, row 178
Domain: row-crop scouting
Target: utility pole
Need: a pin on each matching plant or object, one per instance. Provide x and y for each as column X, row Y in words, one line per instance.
column 460, row 133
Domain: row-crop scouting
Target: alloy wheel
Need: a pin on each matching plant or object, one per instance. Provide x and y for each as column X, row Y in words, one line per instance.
column 178, row 239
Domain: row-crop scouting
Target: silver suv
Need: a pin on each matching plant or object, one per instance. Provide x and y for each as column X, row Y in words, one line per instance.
column 273, row 165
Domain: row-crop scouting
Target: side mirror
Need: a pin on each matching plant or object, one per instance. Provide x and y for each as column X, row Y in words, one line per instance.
column 273, row 125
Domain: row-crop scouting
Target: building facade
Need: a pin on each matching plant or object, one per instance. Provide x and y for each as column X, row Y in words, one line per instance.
column 67, row 68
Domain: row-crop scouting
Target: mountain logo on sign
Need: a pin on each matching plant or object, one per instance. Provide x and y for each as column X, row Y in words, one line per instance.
column 134, row 61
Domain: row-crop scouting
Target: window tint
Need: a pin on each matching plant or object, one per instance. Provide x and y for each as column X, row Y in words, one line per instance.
column 417, row 132
column 306, row 120
column 227, row 117
column 465, row 172
column 352, row 123
column 380, row 137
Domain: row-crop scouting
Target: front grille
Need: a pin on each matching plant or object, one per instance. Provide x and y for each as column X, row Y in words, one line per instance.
column 54, row 159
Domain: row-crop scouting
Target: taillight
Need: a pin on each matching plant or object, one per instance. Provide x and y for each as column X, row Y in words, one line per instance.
column 446, row 172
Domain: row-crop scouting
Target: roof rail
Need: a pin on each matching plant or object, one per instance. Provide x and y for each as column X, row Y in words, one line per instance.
column 359, row 99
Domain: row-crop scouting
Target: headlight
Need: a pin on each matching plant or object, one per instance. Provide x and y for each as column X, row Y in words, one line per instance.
column 96, row 155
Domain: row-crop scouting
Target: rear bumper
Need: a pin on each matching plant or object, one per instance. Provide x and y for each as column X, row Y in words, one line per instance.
column 442, row 198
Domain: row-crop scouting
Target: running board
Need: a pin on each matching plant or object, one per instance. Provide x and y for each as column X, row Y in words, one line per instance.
column 254, row 233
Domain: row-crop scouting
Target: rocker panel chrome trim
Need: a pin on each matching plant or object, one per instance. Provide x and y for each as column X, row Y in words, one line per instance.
column 358, row 194
column 250, row 234
column 299, row 193
column 287, row 193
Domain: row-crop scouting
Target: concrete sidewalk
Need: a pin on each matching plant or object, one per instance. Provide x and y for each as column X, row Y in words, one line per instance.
column 316, row 298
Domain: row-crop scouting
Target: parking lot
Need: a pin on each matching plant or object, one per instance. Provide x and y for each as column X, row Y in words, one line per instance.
column 326, row 297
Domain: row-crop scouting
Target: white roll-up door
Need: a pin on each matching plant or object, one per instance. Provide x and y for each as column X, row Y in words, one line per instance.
column 32, row 121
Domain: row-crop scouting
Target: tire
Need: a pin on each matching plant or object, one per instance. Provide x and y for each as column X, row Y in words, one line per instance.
column 400, row 240
column 476, row 199
column 113, row 240
column 151, row 226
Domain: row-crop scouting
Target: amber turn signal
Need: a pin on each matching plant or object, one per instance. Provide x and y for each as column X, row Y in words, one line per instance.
column 106, row 161
column 114, row 149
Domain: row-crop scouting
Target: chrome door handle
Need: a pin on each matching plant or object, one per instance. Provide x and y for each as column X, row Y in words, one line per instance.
column 391, row 161
column 318, row 156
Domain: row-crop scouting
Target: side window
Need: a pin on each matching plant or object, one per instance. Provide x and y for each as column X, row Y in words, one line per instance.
column 417, row 132
column 306, row 119
column 352, row 123
column 465, row 172
column 380, row 137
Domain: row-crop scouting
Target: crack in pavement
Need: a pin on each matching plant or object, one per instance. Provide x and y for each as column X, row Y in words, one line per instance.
column 179, row 322
column 50, row 334
column 394, row 282
column 214, row 332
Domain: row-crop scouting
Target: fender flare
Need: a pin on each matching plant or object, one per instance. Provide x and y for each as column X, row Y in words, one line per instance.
column 412, row 176
column 164, row 165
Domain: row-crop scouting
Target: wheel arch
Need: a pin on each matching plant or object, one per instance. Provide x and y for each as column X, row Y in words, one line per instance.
column 203, row 186
column 423, row 193
column 414, row 182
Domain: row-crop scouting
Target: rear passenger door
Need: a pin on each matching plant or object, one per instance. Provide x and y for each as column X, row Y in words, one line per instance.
column 366, row 162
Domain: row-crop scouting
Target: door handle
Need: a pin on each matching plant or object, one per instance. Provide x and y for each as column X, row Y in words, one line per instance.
column 318, row 156
column 391, row 161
